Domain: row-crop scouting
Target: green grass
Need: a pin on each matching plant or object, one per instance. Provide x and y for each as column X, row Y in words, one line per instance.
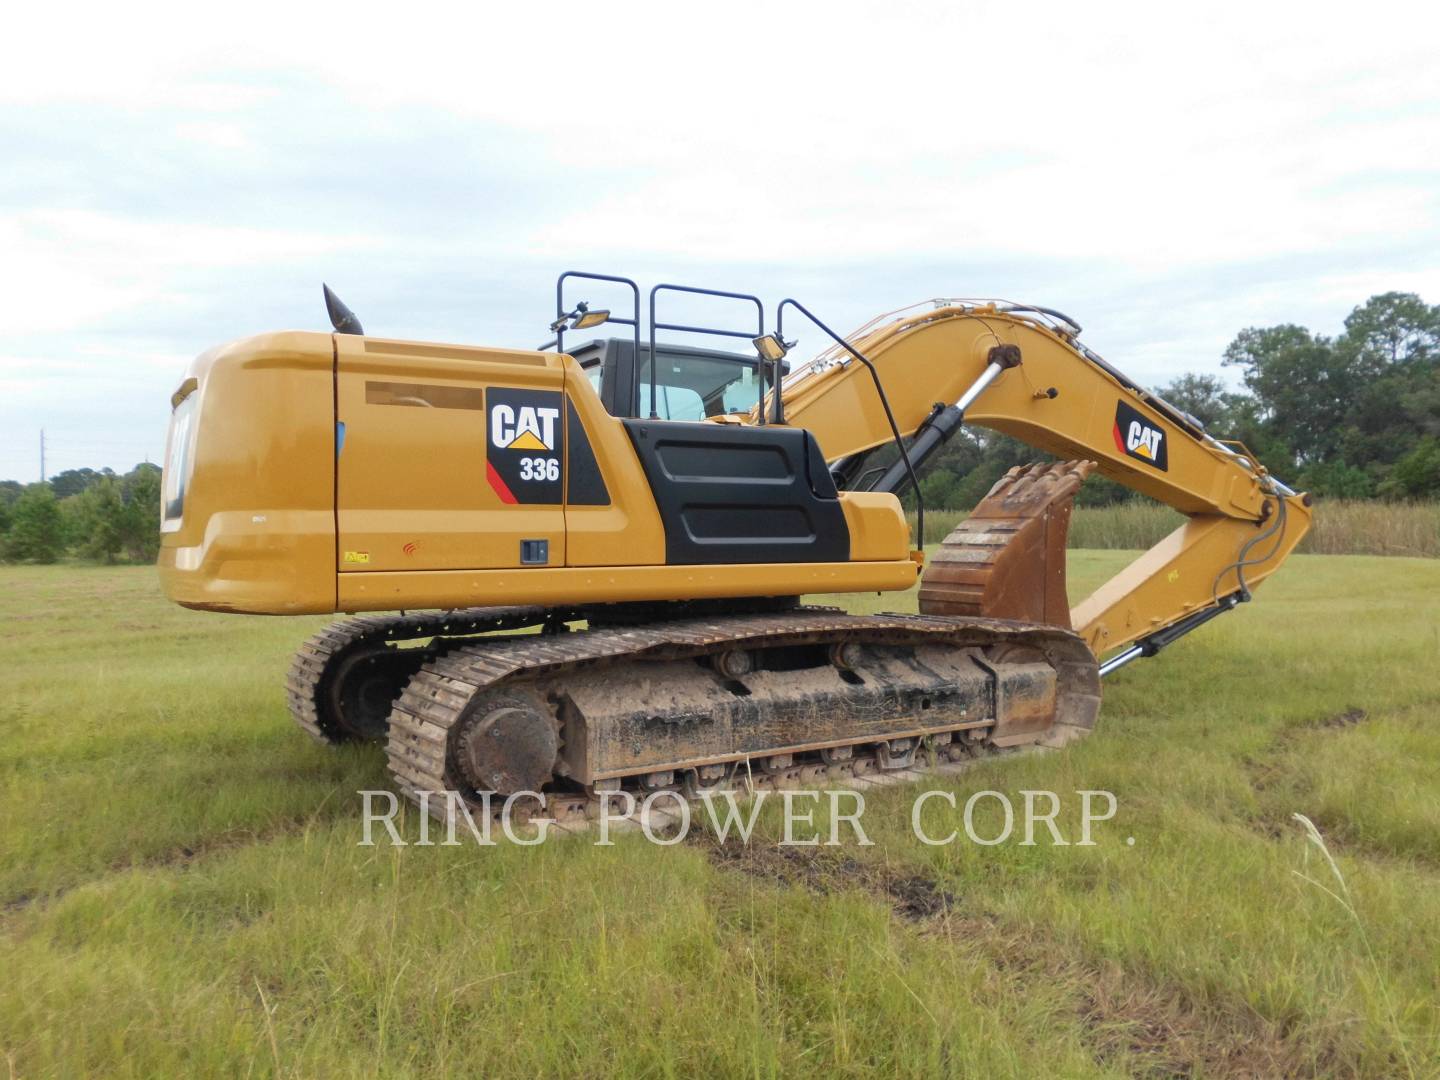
column 183, row 893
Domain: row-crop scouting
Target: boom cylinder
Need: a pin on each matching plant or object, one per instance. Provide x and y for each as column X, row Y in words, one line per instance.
column 938, row 429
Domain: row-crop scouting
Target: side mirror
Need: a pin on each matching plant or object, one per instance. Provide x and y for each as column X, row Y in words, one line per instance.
column 587, row 319
column 582, row 318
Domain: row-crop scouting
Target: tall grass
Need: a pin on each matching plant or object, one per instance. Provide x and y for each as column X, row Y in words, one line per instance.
column 183, row 892
column 1374, row 528
column 1344, row 898
column 1340, row 527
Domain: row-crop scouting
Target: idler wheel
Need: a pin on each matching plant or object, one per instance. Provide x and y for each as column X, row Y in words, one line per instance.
column 364, row 686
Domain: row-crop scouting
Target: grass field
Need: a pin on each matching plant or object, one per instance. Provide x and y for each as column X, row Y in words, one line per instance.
column 183, row 893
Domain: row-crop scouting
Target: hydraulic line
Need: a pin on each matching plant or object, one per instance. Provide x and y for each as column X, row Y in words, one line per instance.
column 1277, row 526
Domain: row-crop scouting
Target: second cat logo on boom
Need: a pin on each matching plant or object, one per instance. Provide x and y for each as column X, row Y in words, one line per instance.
column 1139, row 437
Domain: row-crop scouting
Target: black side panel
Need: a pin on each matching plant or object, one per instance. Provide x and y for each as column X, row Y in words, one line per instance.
column 585, row 486
column 737, row 494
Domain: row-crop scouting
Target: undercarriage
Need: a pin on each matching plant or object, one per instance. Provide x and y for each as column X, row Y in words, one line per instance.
column 691, row 695
column 689, row 703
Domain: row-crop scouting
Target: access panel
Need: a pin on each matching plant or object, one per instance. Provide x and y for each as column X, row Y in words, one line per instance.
column 447, row 458
column 731, row 493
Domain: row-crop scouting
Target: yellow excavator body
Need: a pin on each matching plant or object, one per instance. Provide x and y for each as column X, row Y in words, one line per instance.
column 657, row 515
column 320, row 473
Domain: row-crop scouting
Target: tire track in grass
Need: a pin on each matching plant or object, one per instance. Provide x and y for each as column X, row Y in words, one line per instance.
column 180, row 857
column 1156, row 1029
column 1270, row 770
column 1267, row 768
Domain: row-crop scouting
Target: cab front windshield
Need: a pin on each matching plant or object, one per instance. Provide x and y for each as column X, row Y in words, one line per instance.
column 689, row 387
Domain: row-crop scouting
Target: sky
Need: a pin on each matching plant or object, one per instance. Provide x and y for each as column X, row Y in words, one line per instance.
column 173, row 177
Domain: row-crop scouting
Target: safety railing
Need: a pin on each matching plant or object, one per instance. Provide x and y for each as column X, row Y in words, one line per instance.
column 708, row 330
column 563, row 313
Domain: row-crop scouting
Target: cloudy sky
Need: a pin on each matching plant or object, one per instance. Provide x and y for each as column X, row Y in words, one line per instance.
column 171, row 178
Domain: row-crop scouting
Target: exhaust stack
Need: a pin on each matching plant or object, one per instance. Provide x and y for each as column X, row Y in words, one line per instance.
column 341, row 317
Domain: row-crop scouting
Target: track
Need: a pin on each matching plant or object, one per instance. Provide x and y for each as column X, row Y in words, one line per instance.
column 313, row 688
column 440, row 706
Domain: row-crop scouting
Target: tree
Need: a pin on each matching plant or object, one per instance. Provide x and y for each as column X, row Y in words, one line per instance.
column 140, row 516
column 36, row 530
column 95, row 520
column 1205, row 398
column 74, row 481
column 10, row 490
column 1337, row 480
column 1393, row 328
column 1303, row 387
column 1417, row 474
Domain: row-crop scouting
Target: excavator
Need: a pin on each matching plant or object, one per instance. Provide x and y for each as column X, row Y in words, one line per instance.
column 579, row 570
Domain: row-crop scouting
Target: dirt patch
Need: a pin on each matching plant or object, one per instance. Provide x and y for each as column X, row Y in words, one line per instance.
column 1165, row 1035
column 913, row 897
column 1349, row 718
column 814, row 868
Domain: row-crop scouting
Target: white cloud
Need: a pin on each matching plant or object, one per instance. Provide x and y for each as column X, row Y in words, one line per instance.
column 1170, row 174
column 66, row 270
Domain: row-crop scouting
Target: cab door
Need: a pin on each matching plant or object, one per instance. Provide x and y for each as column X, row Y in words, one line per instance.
column 447, row 457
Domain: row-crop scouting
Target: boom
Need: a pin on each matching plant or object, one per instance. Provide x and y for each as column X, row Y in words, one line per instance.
column 1039, row 384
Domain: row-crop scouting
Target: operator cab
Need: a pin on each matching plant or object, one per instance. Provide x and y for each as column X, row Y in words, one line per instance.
column 690, row 383
column 727, row 493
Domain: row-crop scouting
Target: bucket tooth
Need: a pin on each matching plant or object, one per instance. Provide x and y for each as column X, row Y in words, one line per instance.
column 1007, row 559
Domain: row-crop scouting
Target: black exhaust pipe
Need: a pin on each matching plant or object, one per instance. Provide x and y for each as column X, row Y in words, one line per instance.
column 341, row 317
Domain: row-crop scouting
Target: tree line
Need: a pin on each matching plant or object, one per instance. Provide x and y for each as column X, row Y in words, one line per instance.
column 92, row 514
column 1354, row 416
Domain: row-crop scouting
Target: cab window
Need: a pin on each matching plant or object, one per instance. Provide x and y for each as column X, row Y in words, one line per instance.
column 176, row 477
column 689, row 387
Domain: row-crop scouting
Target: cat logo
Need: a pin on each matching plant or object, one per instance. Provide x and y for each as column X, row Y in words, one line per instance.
column 1140, row 438
column 1142, row 441
column 528, row 427
column 525, row 445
